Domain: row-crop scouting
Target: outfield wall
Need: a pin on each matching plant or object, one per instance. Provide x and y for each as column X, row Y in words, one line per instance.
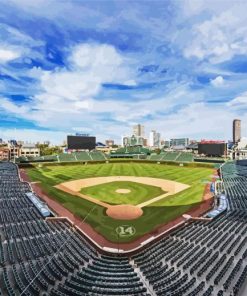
column 185, row 164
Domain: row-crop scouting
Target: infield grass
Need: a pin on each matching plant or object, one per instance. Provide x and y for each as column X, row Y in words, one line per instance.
column 154, row 214
column 138, row 192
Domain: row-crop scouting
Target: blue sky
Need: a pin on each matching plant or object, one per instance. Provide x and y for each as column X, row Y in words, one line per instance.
column 101, row 66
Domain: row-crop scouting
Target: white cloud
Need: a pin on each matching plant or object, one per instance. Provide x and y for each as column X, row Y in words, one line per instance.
column 10, row 107
column 218, row 81
column 7, row 55
column 70, row 85
column 221, row 37
column 69, row 98
column 96, row 57
column 130, row 83
column 200, row 120
column 14, row 45
column 240, row 102
column 66, row 97
column 90, row 66
column 197, row 7
column 195, row 120
column 51, row 111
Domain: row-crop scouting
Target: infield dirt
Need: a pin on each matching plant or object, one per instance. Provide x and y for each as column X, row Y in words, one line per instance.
column 122, row 212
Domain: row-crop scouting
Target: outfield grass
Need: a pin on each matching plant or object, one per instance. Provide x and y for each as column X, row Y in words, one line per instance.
column 154, row 214
column 139, row 193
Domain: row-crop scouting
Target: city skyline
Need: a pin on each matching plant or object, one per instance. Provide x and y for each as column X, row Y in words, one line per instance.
column 102, row 67
column 136, row 129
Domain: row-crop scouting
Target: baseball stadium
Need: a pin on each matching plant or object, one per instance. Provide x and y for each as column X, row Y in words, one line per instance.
column 94, row 225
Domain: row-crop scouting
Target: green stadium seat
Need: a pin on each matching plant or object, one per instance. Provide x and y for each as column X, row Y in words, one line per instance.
column 97, row 156
column 64, row 157
column 170, row 156
column 185, row 157
column 82, row 156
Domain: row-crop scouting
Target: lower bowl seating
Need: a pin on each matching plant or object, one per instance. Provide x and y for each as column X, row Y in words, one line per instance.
column 42, row 257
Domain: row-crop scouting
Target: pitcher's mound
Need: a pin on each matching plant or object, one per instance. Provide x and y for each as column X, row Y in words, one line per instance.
column 123, row 191
column 124, row 212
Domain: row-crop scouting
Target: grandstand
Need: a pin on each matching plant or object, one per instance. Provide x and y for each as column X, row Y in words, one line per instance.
column 185, row 157
column 129, row 151
column 82, row 156
column 97, row 156
column 156, row 157
column 65, row 157
column 49, row 158
column 138, row 153
column 49, row 257
column 172, row 156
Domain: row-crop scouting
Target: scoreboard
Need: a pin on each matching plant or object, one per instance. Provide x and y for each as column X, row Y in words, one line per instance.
column 212, row 149
column 81, row 142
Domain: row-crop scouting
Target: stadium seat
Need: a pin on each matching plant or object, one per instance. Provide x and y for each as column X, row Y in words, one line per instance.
column 198, row 258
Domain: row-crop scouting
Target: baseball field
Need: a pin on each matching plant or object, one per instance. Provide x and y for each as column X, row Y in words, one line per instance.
column 137, row 195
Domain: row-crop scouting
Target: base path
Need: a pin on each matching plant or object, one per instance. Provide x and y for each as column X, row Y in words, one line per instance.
column 126, row 212
column 166, row 185
column 72, row 192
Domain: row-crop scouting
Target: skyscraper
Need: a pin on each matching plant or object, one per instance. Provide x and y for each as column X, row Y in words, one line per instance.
column 154, row 139
column 236, row 130
column 138, row 130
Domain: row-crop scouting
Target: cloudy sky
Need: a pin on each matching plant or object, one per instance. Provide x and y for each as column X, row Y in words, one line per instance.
column 99, row 67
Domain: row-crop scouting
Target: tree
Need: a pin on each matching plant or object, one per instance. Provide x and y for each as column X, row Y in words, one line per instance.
column 46, row 150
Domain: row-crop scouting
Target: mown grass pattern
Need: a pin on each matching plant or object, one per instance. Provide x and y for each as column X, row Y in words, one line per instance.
column 155, row 214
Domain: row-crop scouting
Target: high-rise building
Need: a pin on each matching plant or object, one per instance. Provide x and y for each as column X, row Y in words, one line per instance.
column 166, row 144
column 132, row 141
column 236, row 130
column 138, row 130
column 157, row 142
column 154, row 139
column 180, row 142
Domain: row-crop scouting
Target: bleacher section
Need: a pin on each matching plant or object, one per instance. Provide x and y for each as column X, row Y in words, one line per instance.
column 172, row 156
column 50, row 158
column 98, row 156
column 46, row 158
column 156, row 157
column 127, row 152
column 202, row 258
column 39, row 257
column 66, row 157
column 185, row 157
column 132, row 150
column 82, row 156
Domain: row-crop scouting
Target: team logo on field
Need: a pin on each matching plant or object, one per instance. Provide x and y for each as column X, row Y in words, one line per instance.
column 125, row 230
